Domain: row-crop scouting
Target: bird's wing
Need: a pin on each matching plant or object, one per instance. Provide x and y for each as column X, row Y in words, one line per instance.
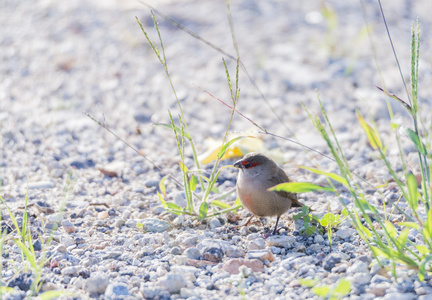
column 282, row 177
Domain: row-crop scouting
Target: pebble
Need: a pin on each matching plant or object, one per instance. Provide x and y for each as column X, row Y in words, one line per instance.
column 257, row 244
column 262, row 255
column 172, row 282
column 281, row 241
column 96, row 283
column 115, row 291
column 331, row 260
column 193, row 253
column 154, row 225
column 213, row 254
column 232, row 265
column 215, row 223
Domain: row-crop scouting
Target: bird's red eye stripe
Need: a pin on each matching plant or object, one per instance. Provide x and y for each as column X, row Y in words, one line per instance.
column 248, row 164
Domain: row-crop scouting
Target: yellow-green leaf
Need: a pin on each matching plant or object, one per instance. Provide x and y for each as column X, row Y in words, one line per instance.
column 413, row 193
column 423, row 250
column 299, row 187
column 409, row 224
column 308, row 282
column 224, row 148
column 390, row 229
column 203, row 210
column 162, row 186
column 342, row 287
column 183, row 167
column 220, row 204
column 162, row 200
column 402, row 239
column 48, row 295
column 321, row 290
column 373, row 136
column 193, row 183
column 427, row 231
column 378, row 252
column 327, row 220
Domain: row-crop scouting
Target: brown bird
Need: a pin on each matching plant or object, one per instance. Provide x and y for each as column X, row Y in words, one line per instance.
column 258, row 173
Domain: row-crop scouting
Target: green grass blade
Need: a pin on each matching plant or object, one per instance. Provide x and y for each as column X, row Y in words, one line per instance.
column 224, row 148
column 299, row 187
column 220, row 204
column 415, row 139
column 48, row 295
column 412, row 191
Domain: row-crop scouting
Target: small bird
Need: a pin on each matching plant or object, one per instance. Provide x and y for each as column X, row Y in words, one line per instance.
column 258, row 173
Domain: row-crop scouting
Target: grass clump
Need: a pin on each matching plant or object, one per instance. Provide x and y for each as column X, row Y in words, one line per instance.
column 34, row 261
column 389, row 240
column 195, row 183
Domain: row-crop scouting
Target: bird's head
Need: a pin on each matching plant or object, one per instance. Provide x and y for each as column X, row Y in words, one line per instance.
column 255, row 164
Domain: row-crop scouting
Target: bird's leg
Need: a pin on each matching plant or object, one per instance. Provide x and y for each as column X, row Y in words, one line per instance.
column 248, row 221
column 275, row 229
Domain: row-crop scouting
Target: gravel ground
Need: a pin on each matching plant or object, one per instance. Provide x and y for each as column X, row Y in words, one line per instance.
column 62, row 58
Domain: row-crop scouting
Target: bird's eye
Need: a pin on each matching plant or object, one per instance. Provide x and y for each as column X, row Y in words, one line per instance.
column 247, row 164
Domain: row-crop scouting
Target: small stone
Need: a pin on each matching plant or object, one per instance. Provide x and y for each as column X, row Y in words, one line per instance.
column 314, row 248
column 261, row 255
column 22, row 281
column 358, row 267
column 119, row 223
column 172, row 282
column 155, row 225
column 213, row 254
column 67, row 240
column 103, row 215
column 318, row 239
column 232, row 217
column 399, row 296
column 96, row 283
column 294, row 283
column 215, row 223
column 379, row 278
column 193, row 253
column 244, row 231
column 275, row 250
column 232, row 266
column 331, row 260
column 55, row 218
column 281, row 241
column 339, row 269
column 379, row 289
column 257, row 244
column 152, row 182
column 70, row 271
column 345, row 232
column 116, row 291
column 175, row 251
column 199, row 263
column 233, row 251
column 187, row 271
column 361, row 278
column 40, row 185
column 188, row 293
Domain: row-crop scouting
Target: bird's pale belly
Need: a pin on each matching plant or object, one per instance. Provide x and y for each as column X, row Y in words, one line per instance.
column 263, row 204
